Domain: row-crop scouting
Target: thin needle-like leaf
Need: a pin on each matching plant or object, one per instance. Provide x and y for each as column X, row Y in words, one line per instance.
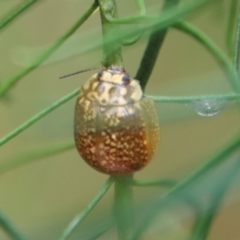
column 152, row 50
column 5, row 86
column 95, row 235
column 142, row 7
column 16, row 12
column 237, row 43
column 155, row 182
column 37, row 117
column 231, row 96
column 81, row 216
column 220, row 57
column 33, row 155
column 167, row 17
column 231, row 26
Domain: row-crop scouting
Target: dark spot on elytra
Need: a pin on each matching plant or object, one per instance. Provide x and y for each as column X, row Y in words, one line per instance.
column 125, row 79
column 100, row 73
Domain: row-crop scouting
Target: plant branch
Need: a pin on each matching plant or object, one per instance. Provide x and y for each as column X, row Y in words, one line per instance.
column 5, row 86
column 231, row 26
column 95, row 235
column 134, row 39
column 142, row 7
column 81, row 216
column 166, row 19
column 131, row 41
column 185, row 99
column 165, row 182
column 220, row 57
column 32, row 156
column 37, row 117
column 237, row 44
column 17, row 11
column 111, row 52
column 153, row 47
column 123, row 206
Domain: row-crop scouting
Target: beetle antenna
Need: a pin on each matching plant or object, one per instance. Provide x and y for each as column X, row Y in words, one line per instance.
column 75, row 73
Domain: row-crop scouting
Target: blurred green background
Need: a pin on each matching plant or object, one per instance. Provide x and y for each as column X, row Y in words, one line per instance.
column 41, row 198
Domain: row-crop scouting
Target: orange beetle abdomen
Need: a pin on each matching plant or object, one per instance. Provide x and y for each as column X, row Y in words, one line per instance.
column 119, row 139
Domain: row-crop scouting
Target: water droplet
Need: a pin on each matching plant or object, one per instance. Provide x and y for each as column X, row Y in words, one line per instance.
column 207, row 107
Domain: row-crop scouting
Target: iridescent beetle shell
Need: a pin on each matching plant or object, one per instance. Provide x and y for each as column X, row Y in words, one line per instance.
column 116, row 129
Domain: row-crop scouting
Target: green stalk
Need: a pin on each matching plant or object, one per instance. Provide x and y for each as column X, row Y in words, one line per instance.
column 163, row 182
column 33, row 155
column 142, row 7
column 111, row 51
column 220, row 57
column 97, row 234
column 185, row 99
column 5, row 86
column 37, row 117
column 231, row 26
column 123, row 206
column 17, row 11
column 153, row 47
column 166, row 19
column 237, row 44
column 81, row 216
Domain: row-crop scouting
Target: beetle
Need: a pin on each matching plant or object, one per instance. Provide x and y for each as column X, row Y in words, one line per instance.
column 116, row 128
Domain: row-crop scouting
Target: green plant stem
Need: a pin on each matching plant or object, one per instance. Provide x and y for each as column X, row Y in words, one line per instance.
column 123, row 206
column 165, row 182
column 100, row 232
column 131, row 41
column 37, row 117
column 185, row 99
column 153, row 47
column 33, row 155
column 17, row 11
column 142, row 7
column 8, row 227
column 81, row 216
column 237, row 44
column 5, row 86
column 219, row 157
column 149, row 23
column 231, row 26
column 221, row 58
column 111, row 52
column 134, row 39
column 167, row 18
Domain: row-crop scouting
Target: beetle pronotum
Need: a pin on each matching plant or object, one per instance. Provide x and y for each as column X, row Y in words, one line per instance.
column 116, row 129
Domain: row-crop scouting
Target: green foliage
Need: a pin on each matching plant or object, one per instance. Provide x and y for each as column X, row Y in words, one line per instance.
column 184, row 190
